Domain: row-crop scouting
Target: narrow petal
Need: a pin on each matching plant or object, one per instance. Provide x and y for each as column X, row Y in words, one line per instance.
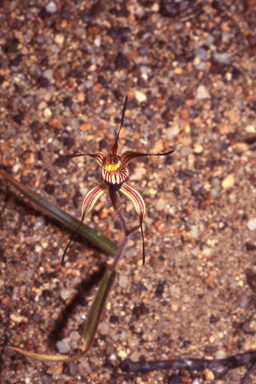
column 88, row 203
column 128, row 156
column 139, row 206
column 92, row 197
column 100, row 157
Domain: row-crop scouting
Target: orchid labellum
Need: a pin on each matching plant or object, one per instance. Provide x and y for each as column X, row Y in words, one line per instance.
column 115, row 175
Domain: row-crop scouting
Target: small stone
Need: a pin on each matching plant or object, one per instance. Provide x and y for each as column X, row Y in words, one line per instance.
column 159, row 225
column 174, row 307
column 47, row 378
column 222, row 58
column 51, row 7
column 250, row 129
column 63, row 347
column 160, row 204
column 18, row 318
column 55, row 123
column 97, row 42
column 202, row 93
column 209, row 280
column 48, row 74
column 172, row 131
column 47, row 113
column 88, row 84
column 80, row 32
column 122, row 354
column 59, row 39
column 7, row 302
column 220, row 354
column 208, row 375
column 194, row 231
column 178, row 71
column 135, row 356
column 184, row 114
column 251, row 224
column 201, row 53
column 104, row 328
column 140, row 96
column 198, row 148
column 67, row 293
column 123, row 281
column 84, row 127
column 228, row 182
column 39, row 222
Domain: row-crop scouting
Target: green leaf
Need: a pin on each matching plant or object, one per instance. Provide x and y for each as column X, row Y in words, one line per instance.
column 98, row 239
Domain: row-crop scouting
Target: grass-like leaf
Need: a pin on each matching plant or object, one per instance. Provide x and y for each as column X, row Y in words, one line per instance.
column 95, row 237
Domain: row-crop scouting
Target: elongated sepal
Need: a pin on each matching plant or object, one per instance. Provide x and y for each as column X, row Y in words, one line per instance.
column 91, row 198
column 100, row 157
column 91, row 325
column 128, row 156
column 139, row 206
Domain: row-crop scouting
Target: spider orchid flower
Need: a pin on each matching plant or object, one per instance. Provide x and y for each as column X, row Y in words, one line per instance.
column 115, row 175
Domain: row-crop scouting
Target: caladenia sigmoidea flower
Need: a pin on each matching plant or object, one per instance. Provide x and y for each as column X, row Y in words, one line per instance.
column 115, row 175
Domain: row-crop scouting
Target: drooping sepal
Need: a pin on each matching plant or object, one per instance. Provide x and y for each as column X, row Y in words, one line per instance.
column 88, row 203
column 91, row 198
column 139, row 206
column 128, row 156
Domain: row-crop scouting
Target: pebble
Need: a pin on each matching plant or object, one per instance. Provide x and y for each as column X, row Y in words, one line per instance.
column 97, row 42
column 228, row 182
column 220, row 354
column 7, row 302
column 202, row 93
column 251, row 224
column 174, row 307
column 135, row 356
column 62, row 346
column 201, row 53
column 39, row 223
column 198, row 148
column 66, row 293
column 173, row 131
column 123, row 281
column 48, row 74
column 59, row 39
column 122, row 354
column 51, row 7
column 208, row 375
column 85, row 127
column 18, row 318
column 194, row 231
column 160, row 204
column 80, row 32
column 88, row 84
column 55, row 123
column 222, row 58
column 47, row 112
column 104, row 328
column 140, row 96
